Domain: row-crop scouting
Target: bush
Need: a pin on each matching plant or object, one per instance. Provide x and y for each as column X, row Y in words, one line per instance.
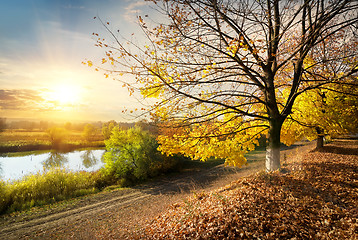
column 132, row 156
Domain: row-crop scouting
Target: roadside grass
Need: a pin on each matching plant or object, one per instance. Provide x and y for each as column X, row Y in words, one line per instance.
column 45, row 188
column 197, row 164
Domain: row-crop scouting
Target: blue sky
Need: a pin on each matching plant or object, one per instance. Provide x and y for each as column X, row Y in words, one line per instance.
column 43, row 43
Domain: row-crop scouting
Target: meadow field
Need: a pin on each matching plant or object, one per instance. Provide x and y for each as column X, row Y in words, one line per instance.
column 20, row 140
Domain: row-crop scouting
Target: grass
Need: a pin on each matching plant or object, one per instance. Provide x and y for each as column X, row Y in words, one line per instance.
column 45, row 188
column 197, row 164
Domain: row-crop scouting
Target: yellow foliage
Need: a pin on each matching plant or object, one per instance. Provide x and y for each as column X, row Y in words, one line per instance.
column 203, row 141
column 332, row 112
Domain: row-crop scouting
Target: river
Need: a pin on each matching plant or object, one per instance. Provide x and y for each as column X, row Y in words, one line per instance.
column 14, row 168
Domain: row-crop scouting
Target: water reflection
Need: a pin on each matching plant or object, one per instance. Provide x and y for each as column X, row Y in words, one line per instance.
column 88, row 159
column 55, row 159
column 15, row 167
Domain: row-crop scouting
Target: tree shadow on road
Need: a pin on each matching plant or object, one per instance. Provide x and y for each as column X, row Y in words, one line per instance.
column 340, row 147
column 193, row 180
column 338, row 150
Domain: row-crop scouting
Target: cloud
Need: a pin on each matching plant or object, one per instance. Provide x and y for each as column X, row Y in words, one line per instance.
column 20, row 99
column 70, row 6
column 132, row 10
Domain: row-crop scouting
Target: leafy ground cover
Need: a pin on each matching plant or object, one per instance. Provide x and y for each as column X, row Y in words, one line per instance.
column 315, row 198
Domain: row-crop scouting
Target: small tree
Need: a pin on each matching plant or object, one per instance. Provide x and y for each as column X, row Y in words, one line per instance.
column 57, row 135
column 55, row 159
column 131, row 154
column 88, row 159
column 89, row 132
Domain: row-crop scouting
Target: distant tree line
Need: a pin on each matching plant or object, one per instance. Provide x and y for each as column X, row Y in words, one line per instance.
column 43, row 125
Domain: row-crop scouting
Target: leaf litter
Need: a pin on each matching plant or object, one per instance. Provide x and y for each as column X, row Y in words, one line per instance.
column 313, row 198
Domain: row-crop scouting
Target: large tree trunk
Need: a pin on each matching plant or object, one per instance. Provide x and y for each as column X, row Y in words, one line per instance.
column 320, row 141
column 273, row 146
column 320, row 134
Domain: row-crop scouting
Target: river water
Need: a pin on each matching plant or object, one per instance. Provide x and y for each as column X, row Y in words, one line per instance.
column 13, row 168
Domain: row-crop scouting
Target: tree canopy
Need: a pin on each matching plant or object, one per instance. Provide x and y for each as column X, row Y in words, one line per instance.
column 224, row 72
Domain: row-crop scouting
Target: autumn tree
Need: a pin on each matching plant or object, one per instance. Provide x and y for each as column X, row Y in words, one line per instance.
column 323, row 113
column 224, row 72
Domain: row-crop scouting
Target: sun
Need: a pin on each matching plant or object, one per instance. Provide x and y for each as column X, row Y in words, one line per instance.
column 61, row 96
column 66, row 94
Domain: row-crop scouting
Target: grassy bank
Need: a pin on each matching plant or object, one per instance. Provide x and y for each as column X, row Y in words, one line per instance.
column 315, row 199
column 45, row 188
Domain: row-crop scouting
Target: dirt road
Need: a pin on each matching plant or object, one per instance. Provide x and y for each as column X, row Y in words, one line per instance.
column 122, row 213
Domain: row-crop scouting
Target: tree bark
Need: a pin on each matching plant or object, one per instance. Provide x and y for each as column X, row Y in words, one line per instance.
column 273, row 146
column 320, row 134
column 319, row 141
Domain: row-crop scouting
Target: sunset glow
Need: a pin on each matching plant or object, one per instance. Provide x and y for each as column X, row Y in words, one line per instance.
column 62, row 97
column 41, row 55
column 66, row 94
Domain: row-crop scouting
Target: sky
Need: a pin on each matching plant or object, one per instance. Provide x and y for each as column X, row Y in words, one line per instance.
column 42, row 46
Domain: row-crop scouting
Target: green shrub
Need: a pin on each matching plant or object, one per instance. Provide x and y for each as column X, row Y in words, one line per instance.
column 132, row 156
